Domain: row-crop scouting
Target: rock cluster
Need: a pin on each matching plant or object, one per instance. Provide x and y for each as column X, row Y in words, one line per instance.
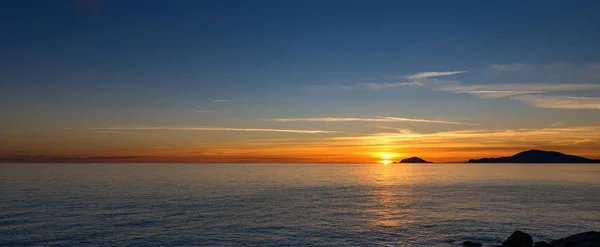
column 521, row 239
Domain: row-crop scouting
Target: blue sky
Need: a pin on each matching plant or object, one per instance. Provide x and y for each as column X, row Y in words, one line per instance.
column 76, row 64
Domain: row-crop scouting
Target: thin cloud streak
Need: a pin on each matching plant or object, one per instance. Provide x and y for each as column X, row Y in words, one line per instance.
column 423, row 75
column 112, row 132
column 491, row 94
column 204, row 128
column 506, row 136
column 379, row 86
column 559, row 102
column 508, row 67
column 512, row 89
column 560, row 69
column 378, row 119
column 220, row 100
column 364, row 86
column 416, row 80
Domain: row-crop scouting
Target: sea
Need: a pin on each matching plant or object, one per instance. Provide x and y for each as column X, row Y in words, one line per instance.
column 293, row 204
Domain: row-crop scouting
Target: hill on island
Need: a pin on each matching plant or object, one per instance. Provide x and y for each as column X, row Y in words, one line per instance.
column 536, row 156
column 413, row 160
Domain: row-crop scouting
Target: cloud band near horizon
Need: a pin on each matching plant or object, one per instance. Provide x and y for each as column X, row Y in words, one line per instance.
column 205, row 128
column 423, row 75
column 377, row 119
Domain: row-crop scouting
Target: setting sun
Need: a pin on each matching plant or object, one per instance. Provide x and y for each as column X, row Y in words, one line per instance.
column 385, row 162
column 386, row 156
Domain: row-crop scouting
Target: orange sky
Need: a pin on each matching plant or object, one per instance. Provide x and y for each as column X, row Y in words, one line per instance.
column 186, row 144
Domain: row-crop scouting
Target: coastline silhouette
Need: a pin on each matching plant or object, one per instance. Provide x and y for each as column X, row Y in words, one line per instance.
column 528, row 156
column 536, row 156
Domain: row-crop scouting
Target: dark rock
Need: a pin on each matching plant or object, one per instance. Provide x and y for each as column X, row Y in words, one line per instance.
column 588, row 244
column 542, row 244
column 518, row 239
column 585, row 239
column 471, row 244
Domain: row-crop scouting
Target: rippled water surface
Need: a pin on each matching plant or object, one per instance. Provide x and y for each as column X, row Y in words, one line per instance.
column 291, row 204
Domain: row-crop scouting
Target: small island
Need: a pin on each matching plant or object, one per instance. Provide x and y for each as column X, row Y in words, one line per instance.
column 413, row 160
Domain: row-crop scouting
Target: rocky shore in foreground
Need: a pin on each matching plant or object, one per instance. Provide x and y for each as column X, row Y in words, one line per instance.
column 521, row 239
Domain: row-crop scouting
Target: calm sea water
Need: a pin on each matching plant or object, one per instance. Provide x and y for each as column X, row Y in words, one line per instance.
column 291, row 204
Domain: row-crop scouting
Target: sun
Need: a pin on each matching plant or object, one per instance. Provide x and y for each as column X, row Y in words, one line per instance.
column 385, row 162
column 386, row 158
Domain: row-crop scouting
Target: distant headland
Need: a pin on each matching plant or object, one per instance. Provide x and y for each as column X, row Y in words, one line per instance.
column 536, row 156
column 529, row 156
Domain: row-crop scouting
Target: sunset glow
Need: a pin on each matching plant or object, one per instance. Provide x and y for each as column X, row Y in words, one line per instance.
column 385, row 162
column 246, row 88
column 387, row 156
column 189, row 144
column 299, row 123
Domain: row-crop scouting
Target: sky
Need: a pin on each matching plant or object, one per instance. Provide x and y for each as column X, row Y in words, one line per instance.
column 297, row 81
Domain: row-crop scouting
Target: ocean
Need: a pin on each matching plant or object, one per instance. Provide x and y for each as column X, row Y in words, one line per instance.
column 293, row 204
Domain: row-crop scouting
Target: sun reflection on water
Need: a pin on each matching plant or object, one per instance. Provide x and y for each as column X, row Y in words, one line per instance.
column 390, row 206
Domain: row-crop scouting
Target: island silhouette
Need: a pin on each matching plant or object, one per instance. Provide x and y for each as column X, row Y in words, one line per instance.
column 413, row 160
column 529, row 156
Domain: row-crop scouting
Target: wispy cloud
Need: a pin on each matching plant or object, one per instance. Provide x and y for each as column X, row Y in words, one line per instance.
column 377, row 119
column 204, row 111
column 592, row 72
column 490, row 94
column 423, row 75
column 111, row 132
column 557, row 124
column 364, row 86
column 557, row 70
column 379, row 86
column 400, row 130
column 504, row 136
column 560, row 102
column 220, row 100
column 512, row 89
column 416, row 80
column 202, row 128
column 344, row 87
column 508, row 67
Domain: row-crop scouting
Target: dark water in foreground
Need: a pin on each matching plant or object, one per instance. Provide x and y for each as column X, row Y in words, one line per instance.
column 284, row 204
